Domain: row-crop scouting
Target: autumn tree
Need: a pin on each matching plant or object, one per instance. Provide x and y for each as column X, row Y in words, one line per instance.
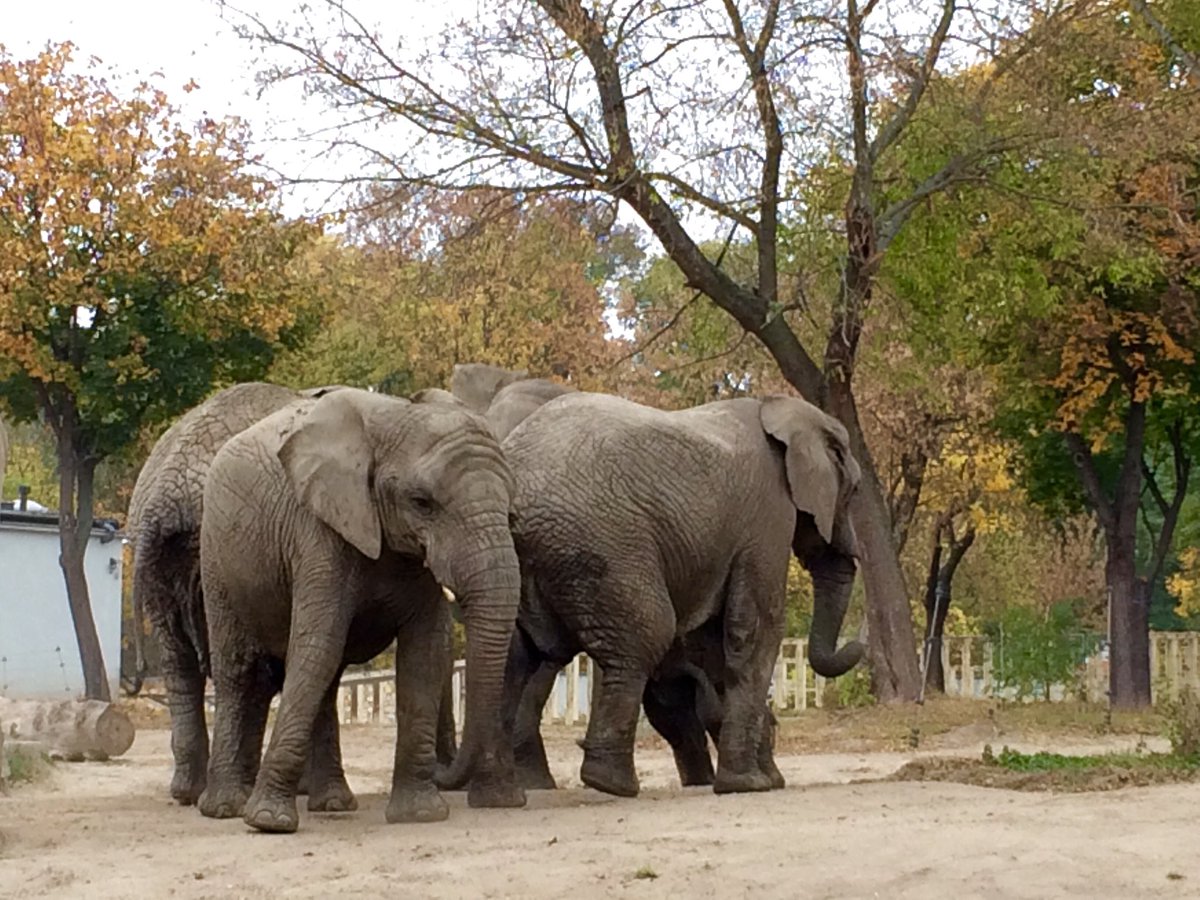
column 424, row 282
column 1074, row 268
column 690, row 115
column 141, row 265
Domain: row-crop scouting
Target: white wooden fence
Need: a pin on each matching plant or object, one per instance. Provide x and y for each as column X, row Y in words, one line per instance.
column 371, row 696
column 968, row 663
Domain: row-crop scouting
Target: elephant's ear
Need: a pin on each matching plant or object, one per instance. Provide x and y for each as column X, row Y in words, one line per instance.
column 328, row 458
column 821, row 471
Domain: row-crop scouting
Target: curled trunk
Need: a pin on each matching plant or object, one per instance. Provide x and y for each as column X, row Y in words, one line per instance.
column 833, row 576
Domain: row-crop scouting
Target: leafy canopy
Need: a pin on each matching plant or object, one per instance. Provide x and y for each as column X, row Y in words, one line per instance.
column 142, row 262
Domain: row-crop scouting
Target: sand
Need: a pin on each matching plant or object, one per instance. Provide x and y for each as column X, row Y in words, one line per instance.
column 100, row 830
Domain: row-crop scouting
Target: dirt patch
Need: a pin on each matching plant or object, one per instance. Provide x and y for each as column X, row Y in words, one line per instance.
column 841, row 829
column 1097, row 777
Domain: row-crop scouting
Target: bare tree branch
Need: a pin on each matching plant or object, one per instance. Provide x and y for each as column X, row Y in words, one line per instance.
column 1081, row 455
column 895, row 126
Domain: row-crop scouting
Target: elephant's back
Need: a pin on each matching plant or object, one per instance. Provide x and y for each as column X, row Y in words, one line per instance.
column 168, row 495
column 586, row 461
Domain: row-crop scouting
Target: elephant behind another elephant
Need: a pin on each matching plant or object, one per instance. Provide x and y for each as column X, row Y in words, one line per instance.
column 164, row 527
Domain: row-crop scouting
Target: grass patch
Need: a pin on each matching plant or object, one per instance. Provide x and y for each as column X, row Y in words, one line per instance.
column 26, row 766
column 1042, row 771
column 1015, row 761
column 645, row 873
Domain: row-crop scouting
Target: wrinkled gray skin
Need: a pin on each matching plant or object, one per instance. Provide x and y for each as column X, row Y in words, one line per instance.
column 637, row 527
column 681, row 703
column 504, row 397
column 328, row 530
column 164, row 527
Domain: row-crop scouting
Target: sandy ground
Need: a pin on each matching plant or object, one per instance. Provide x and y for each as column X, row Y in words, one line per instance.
column 109, row 830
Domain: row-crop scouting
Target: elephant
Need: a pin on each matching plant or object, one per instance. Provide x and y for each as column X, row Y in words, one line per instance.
column 504, row 397
column 637, row 528
column 329, row 528
column 164, row 528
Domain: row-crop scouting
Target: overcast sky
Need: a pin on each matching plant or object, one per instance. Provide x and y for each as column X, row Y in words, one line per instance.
column 193, row 40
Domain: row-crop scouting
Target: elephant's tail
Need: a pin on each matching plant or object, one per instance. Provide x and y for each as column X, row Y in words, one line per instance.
column 133, row 685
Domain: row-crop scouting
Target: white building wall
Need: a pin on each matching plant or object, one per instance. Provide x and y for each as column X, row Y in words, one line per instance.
column 39, row 656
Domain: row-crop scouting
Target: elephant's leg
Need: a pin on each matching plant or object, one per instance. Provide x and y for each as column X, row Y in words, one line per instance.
column 316, row 645
column 162, row 597
column 612, row 728
column 447, row 745
column 753, row 631
column 766, row 751
column 628, row 629
column 328, row 790
column 533, row 768
column 671, row 706
column 422, row 666
column 244, row 686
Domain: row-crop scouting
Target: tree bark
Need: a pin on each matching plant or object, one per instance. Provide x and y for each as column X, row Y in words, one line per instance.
column 938, row 596
column 75, row 511
column 891, row 648
column 72, row 729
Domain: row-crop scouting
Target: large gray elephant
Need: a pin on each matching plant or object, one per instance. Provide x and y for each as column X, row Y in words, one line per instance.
column 164, row 528
column 637, row 527
column 328, row 530
column 504, row 397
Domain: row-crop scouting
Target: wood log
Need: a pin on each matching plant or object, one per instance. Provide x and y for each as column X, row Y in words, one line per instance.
column 71, row 729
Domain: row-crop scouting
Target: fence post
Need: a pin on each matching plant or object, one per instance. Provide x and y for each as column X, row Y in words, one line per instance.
column 967, row 685
column 1153, row 666
column 988, row 685
column 802, row 679
column 1174, row 671
column 573, row 691
column 1193, row 657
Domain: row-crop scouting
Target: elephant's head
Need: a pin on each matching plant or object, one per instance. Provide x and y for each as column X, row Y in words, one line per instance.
column 436, row 395
column 426, row 480
column 822, row 475
column 476, row 384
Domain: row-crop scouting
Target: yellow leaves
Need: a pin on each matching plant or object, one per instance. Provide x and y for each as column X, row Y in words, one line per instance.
column 1184, row 585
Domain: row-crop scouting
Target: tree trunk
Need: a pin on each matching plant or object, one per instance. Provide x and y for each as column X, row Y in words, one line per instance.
column 75, row 508
column 936, row 607
column 72, row 729
column 1129, row 651
column 938, row 588
column 895, row 671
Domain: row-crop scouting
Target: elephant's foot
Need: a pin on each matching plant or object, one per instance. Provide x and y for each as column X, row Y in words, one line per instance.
column 533, row 772
column 420, row 803
column 226, row 801
column 441, row 778
column 188, row 783
column 536, row 779
column 332, row 796
column 694, row 772
column 773, row 775
column 495, row 794
column 728, row 782
column 612, row 773
column 272, row 811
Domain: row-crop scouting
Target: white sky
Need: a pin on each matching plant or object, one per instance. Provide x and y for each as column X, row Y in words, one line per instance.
column 194, row 41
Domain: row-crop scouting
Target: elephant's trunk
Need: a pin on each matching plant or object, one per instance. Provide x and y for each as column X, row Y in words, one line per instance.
column 488, row 587
column 833, row 576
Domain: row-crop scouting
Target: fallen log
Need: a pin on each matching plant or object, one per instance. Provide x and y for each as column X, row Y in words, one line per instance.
column 71, row 729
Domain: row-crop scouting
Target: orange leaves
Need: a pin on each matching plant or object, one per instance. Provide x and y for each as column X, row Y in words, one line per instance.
column 103, row 194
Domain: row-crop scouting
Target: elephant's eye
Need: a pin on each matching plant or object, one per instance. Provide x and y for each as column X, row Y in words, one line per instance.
column 422, row 502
